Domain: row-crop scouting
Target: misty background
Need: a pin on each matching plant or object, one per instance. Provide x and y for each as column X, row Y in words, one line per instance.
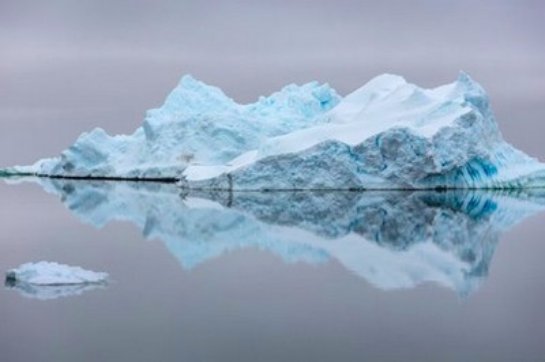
column 69, row 66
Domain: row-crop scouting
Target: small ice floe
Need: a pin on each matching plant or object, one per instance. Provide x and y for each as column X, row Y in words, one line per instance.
column 49, row 280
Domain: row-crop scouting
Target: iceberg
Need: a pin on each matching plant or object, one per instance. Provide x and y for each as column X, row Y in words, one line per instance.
column 48, row 280
column 50, row 273
column 393, row 240
column 388, row 134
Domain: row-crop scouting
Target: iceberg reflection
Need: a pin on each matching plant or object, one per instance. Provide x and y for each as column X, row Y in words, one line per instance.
column 391, row 239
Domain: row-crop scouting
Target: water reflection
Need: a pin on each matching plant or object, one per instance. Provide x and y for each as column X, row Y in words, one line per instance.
column 47, row 292
column 391, row 239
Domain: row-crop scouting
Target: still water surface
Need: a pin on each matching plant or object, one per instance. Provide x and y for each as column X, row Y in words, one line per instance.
column 275, row 276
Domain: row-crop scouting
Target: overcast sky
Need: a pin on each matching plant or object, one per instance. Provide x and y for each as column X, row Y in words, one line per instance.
column 67, row 66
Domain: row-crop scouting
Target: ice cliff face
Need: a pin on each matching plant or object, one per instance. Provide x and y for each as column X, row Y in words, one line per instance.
column 392, row 240
column 387, row 134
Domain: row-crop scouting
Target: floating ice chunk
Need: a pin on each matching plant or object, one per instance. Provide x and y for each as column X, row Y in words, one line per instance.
column 48, row 280
column 49, row 273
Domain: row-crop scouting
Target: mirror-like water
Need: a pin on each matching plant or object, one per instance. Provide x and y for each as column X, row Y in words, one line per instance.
column 274, row 276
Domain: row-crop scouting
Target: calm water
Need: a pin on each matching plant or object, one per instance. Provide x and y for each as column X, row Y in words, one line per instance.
column 275, row 276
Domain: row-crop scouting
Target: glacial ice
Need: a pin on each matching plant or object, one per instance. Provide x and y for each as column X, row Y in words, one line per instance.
column 391, row 239
column 386, row 134
column 197, row 124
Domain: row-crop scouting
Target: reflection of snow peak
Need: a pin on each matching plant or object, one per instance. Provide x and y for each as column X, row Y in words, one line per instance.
column 387, row 134
column 392, row 239
column 46, row 280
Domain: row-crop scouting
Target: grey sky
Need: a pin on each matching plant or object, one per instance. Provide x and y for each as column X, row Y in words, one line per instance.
column 67, row 66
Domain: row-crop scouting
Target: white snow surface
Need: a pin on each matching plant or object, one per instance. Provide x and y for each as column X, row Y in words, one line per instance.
column 387, row 134
column 53, row 274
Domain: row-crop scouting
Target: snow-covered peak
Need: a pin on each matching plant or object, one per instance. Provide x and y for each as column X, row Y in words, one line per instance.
column 373, row 91
column 190, row 96
column 390, row 101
